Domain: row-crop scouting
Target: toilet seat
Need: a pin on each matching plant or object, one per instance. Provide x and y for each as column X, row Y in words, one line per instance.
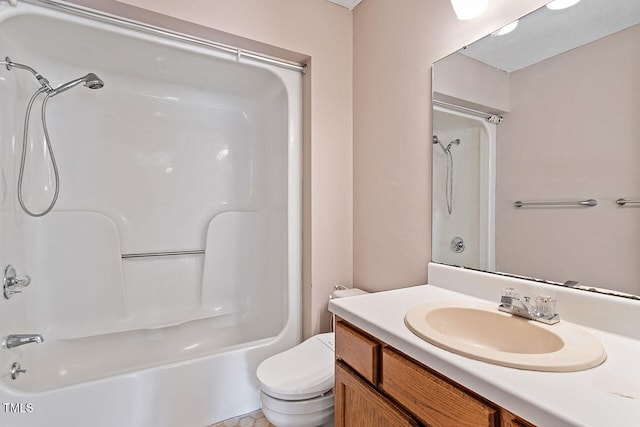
column 302, row 372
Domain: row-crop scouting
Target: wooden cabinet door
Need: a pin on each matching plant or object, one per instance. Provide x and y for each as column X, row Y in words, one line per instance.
column 357, row 404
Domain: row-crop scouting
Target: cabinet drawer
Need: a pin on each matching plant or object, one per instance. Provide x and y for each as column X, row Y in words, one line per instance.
column 357, row 350
column 431, row 399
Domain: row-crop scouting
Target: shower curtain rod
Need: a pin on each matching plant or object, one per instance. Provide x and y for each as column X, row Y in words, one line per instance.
column 104, row 17
column 491, row 118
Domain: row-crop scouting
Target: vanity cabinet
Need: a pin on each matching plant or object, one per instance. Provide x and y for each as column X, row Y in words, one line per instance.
column 378, row 385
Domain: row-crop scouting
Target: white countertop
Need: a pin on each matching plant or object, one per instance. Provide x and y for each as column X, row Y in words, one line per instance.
column 607, row 395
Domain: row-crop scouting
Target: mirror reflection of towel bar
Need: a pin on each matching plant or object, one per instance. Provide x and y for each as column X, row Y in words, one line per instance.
column 588, row 203
column 167, row 253
column 623, row 202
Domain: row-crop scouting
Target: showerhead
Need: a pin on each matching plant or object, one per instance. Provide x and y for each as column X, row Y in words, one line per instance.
column 455, row 141
column 90, row 80
column 448, row 147
column 93, row 82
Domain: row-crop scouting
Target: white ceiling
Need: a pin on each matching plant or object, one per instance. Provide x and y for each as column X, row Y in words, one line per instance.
column 349, row 4
column 545, row 32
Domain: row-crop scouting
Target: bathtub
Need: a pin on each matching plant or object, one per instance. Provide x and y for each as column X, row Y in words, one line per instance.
column 170, row 266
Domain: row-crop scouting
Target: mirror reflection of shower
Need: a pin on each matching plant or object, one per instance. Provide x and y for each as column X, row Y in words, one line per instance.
column 449, row 177
column 90, row 80
column 469, row 187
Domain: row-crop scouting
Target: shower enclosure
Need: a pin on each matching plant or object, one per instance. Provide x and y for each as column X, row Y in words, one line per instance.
column 169, row 266
column 463, row 189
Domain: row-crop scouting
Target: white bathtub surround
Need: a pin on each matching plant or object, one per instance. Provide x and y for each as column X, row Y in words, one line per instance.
column 605, row 395
column 184, row 150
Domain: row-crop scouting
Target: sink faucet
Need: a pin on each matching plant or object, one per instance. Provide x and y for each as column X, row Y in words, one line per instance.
column 22, row 339
column 542, row 311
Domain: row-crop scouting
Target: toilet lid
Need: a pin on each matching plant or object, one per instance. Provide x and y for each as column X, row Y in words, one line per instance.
column 302, row 372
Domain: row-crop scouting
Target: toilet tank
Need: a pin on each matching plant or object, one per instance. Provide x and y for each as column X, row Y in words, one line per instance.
column 342, row 292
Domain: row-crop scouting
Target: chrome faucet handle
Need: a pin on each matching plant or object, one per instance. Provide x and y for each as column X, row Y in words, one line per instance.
column 508, row 295
column 11, row 283
column 546, row 307
column 16, row 370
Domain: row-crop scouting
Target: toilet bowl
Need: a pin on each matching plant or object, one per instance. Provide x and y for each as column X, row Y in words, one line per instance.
column 296, row 386
column 298, row 413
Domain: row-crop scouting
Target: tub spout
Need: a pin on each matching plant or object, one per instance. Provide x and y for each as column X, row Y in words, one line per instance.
column 22, row 339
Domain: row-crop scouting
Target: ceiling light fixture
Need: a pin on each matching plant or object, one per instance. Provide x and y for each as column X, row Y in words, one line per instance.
column 561, row 4
column 506, row 29
column 468, row 9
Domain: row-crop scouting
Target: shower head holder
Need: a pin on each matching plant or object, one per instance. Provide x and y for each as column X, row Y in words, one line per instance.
column 41, row 79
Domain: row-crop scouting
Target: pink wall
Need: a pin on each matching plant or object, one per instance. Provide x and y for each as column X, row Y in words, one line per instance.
column 466, row 82
column 395, row 43
column 321, row 32
column 572, row 133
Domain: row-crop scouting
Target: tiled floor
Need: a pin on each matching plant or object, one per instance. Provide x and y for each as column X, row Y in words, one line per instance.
column 254, row 419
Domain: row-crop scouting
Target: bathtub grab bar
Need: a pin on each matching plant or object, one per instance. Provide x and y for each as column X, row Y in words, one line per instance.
column 622, row 202
column 166, row 253
column 588, row 203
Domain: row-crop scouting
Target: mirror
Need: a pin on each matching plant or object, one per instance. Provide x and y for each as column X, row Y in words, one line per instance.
column 536, row 140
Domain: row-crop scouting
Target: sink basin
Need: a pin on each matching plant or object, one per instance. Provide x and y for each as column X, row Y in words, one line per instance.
column 479, row 331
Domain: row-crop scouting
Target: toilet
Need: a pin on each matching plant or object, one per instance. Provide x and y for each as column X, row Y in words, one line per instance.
column 296, row 386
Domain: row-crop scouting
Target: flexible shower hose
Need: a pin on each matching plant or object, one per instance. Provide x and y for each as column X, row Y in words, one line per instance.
column 49, row 149
column 449, row 182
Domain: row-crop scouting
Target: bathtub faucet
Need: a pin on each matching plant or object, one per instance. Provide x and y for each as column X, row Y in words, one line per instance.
column 22, row 339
